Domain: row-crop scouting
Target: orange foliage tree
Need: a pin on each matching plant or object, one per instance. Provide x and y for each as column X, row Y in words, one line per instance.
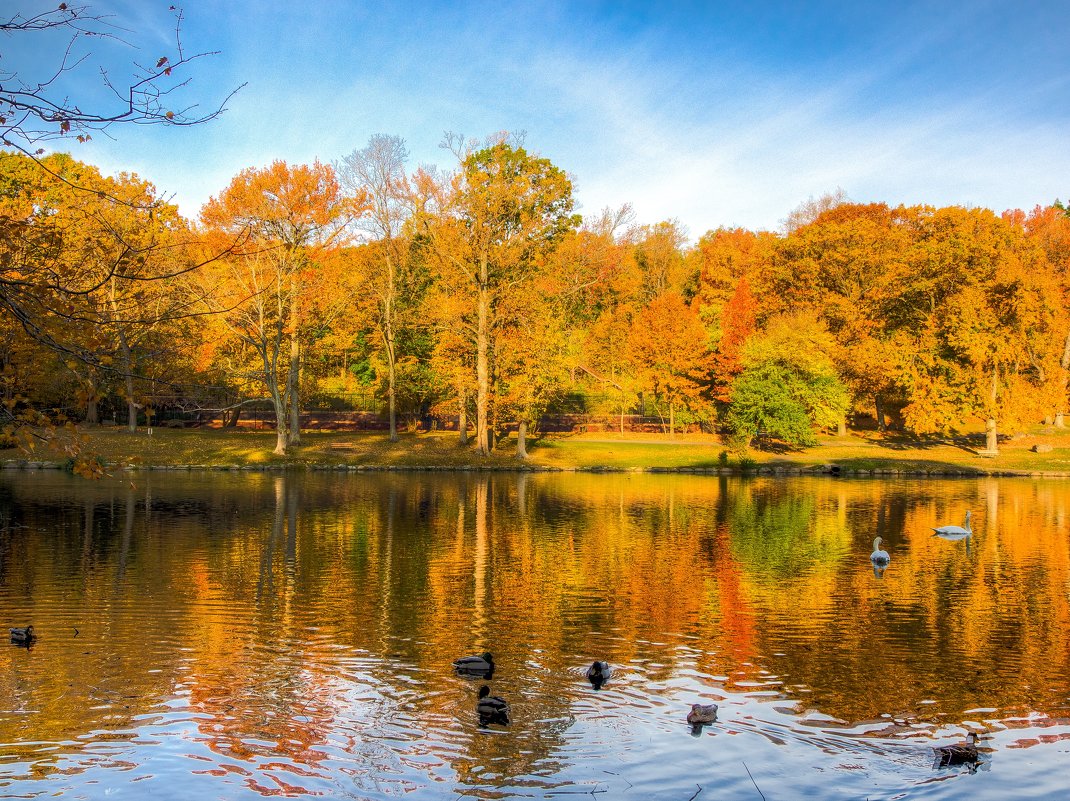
column 292, row 216
column 667, row 343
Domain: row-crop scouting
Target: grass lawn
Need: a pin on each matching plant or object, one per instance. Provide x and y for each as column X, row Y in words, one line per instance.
column 858, row 450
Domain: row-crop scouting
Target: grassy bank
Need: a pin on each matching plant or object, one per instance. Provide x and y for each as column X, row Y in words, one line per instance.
column 863, row 451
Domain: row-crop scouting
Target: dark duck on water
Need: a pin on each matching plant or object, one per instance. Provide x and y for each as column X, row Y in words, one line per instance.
column 491, row 708
column 958, row 754
column 482, row 666
column 23, row 635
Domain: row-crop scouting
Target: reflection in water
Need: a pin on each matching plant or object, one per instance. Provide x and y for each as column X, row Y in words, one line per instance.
column 285, row 634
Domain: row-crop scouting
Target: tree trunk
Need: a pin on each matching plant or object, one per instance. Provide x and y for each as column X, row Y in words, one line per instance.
column 521, row 440
column 462, row 416
column 128, row 378
column 622, row 410
column 991, row 433
column 278, row 401
column 841, row 427
column 232, row 420
column 293, row 377
column 482, row 360
column 1064, row 364
column 881, row 425
column 92, row 411
column 391, row 356
column 672, row 420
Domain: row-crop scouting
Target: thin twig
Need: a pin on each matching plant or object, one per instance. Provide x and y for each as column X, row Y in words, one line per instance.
column 756, row 787
column 699, row 790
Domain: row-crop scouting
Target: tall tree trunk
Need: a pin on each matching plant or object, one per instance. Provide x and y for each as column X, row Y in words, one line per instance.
column 92, row 411
column 841, row 427
column 672, row 420
column 128, row 379
column 391, row 360
column 482, row 358
column 1064, row 364
column 278, row 401
column 232, row 420
column 293, row 376
column 881, row 425
column 622, row 410
column 991, row 433
column 521, row 440
column 462, row 416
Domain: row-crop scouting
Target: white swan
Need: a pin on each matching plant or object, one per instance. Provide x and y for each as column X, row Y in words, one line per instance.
column 879, row 557
column 955, row 532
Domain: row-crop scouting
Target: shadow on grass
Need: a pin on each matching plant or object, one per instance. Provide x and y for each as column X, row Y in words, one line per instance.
column 866, row 464
column 900, row 441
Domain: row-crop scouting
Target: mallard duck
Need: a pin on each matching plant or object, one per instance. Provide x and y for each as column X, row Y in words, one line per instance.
column 879, row 557
column 491, row 708
column 23, row 635
column 599, row 673
column 702, row 713
column 475, row 665
column 959, row 754
column 955, row 532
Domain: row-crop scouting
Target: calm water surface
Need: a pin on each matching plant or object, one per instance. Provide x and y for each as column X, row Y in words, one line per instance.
column 245, row 635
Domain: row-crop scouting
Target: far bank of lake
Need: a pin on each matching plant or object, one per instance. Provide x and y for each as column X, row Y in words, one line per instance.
column 1041, row 451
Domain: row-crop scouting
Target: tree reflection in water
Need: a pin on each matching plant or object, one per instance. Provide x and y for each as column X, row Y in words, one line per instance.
column 296, row 632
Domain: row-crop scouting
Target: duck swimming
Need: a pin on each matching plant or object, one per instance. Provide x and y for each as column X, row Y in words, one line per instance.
column 702, row 713
column 960, row 754
column 491, row 708
column 23, row 635
column 955, row 532
column 598, row 673
column 879, row 557
column 482, row 666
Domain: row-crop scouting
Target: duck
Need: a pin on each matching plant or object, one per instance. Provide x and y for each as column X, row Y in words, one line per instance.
column 959, row 754
column 491, row 708
column 598, row 673
column 702, row 713
column 22, row 635
column 955, row 532
column 482, row 665
column 879, row 557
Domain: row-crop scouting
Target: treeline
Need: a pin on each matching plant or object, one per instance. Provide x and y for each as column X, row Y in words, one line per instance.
column 478, row 292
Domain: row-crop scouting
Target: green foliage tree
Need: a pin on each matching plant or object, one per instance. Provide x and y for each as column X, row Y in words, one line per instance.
column 789, row 386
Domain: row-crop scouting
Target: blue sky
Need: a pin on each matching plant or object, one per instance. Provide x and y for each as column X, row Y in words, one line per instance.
column 711, row 113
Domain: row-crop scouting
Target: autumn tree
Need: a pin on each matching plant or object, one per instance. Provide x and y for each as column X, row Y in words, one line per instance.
column 503, row 210
column 378, row 172
column 292, row 215
column 1049, row 227
column 846, row 266
column 90, row 274
column 667, row 343
column 986, row 312
column 737, row 323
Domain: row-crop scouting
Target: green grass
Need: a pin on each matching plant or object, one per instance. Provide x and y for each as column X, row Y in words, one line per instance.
column 859, row 451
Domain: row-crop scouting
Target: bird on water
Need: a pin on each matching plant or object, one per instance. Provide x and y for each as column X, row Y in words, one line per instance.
column 958, row 754
column 879, row 557
column 22, row 635
column 482, row 665
column 491, row 708
column 598, row 674
column 955, row 532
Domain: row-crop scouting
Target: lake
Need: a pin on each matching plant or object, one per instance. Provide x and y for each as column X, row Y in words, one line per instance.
column 237, row 635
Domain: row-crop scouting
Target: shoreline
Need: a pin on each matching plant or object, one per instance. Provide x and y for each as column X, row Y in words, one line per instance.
column 829, row 470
